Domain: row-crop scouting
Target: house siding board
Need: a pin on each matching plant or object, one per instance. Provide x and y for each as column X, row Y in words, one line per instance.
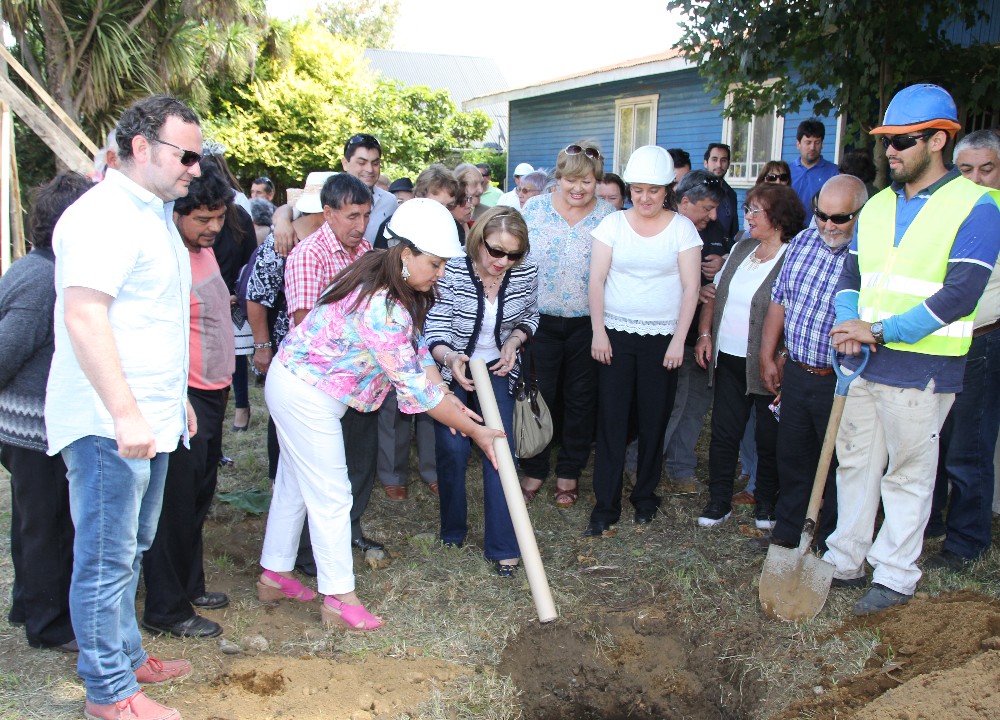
column 987, row 31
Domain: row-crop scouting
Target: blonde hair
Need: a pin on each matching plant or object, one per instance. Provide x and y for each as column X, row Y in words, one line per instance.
column 580, row 165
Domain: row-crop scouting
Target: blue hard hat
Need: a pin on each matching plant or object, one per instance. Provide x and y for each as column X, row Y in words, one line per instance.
column 919, row 107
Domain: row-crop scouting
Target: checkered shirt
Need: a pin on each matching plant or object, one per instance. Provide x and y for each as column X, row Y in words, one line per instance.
column 312, row 265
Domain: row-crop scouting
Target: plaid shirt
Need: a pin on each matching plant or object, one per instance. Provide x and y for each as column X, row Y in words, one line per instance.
column 311, row 266
column 805, row 287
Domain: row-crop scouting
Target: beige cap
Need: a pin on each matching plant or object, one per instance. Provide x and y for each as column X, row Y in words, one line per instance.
column 309, row 202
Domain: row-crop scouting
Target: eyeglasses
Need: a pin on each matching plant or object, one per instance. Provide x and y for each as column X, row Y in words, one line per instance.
column 751, row 211
column 498, row 253
column 838, row 219
column 188, row 158
column 592, row 153
column 364, row 139
column 904, row 142
column 524, row 190
column 777, row 177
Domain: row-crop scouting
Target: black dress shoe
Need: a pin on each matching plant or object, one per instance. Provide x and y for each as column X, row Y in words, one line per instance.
column 365, row 544
column 195, row 626
column 596, row 528
column 211, row 601
column 504, row 570
column 644, row 517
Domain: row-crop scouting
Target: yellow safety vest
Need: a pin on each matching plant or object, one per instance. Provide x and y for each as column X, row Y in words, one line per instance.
column 895, row 279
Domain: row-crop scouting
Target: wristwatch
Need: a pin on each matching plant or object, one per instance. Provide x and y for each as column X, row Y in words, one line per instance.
column 877, row 333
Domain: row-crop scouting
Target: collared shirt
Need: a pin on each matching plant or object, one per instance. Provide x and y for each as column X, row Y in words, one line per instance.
column 491, row 196
column 120, row 239
column 804, row 287
column 384, row 204
column 728, row 214
column 562, row 254
column 312, row 265
column 356, row 355
column 806, row 182
column 509, row 199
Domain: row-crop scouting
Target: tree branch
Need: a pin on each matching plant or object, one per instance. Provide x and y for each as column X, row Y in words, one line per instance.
column 137, row 20
column 88, row 35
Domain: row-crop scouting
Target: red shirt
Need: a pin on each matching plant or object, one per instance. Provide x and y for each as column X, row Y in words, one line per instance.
column 212, row 359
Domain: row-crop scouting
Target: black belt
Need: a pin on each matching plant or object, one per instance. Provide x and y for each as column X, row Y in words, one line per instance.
column 986, row 329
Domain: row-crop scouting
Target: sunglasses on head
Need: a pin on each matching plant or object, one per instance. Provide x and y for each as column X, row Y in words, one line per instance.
column 498, row 253
column 364, row 139
column 777, row 177
column 837, row 219
column 188, row 158
column 905, row 142
column 592, row 153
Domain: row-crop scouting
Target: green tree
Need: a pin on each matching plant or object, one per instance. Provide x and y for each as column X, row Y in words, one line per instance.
column 368, row 23
column 839, row 56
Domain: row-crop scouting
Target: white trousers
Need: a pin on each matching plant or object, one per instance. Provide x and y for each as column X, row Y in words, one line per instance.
column 887, row 447
column 311, row 482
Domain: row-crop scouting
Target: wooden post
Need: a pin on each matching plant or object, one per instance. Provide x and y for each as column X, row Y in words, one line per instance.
column 6, row 133
column 18, row 249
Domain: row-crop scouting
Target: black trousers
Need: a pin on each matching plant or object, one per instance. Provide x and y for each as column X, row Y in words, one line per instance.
column 636, row 373
column 41, row 544
column 806, row 400
column 731, row 407
column 560, row 350
column 173, row 567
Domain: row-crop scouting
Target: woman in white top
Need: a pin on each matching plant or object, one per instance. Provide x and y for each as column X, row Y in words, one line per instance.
column 729, row 346
column 645, row 271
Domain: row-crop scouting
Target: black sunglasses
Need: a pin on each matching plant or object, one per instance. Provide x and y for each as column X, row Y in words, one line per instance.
column 777, row 177
column 838, row 219
column 592, row 153
column 364, row 139
column 189, row 157
column 905, row 142
column 498, row 253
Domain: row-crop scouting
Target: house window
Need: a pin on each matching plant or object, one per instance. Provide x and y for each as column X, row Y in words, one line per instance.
column 754, row 142
column 635, row 126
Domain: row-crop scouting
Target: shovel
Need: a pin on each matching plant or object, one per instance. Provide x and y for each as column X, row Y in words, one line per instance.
column 794, row 583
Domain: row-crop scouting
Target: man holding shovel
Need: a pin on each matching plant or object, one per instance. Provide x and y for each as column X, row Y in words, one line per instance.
column 923, row 252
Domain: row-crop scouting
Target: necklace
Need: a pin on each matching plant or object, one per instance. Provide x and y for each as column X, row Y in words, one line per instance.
column 486, row 290
column 753, row 262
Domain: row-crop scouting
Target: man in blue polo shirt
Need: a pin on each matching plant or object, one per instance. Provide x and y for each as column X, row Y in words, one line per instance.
column 810, row 171
column 923, row 252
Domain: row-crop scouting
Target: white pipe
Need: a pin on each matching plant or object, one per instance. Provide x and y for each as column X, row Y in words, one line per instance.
column 530, row 557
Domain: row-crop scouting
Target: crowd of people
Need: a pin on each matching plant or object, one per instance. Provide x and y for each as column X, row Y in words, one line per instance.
column 637, row 303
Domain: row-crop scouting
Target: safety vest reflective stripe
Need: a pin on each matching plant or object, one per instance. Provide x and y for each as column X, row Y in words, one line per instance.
column 901, row 284
column 957, row 329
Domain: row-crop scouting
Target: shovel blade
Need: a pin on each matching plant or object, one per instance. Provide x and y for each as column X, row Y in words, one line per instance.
column 793, row 584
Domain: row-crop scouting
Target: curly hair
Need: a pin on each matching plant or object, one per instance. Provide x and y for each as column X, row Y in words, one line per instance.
column 145, row 118
column 783, row 208
column 209, row 190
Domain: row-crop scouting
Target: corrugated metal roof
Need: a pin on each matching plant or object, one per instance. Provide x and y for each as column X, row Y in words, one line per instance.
column 462, row 75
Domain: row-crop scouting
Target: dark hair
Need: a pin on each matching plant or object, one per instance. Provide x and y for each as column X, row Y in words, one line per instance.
column 145, row 118
column 214, row 155
column 209, row 190
column 774, row 166
column 698, row 185
column 499, row 219
column 380, row 270
column 361, row 140
column 344, row 189
column 783, row 207
column 49, row 201
column 859, row 163
column 611, row 178
column 266, row 182
column 810, row 128
column 720, row 146
column 681, row 158
column 262, row 211
column 486, row 168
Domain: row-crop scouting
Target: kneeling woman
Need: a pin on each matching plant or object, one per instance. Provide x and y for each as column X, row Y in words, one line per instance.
column 488, row 310
column 363, row 336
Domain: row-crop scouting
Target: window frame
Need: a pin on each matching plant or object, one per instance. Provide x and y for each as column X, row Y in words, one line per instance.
column 636, row 101
column 777, row 142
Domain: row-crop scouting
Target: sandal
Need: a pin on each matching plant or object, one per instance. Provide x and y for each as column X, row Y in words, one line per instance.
column 566, row 498
column 281, row 587
column 505, row 570
column 529, row 494
column 354, row 617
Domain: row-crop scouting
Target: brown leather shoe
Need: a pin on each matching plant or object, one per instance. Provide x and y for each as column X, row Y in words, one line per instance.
column 154, row 671
column 137, row 707
column 743, row 498
column 433, row 487
column 396, row 493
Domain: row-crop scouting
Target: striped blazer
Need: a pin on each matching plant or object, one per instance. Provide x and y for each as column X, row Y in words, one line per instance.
column 457, row 314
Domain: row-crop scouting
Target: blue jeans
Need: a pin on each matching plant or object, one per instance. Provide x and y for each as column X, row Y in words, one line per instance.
column 115, row 505
column 969, row 440
column 452, row 452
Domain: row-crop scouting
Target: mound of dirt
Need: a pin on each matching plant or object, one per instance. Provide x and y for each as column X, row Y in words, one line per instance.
column 931, row 652
column 627, row 666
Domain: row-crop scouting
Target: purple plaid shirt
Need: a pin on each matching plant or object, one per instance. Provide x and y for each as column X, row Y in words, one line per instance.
column 804, row 287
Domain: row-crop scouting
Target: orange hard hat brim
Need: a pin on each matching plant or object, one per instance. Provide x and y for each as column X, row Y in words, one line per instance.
column 949, row 126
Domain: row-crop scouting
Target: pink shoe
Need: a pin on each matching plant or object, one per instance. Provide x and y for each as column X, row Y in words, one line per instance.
column 355, row 617
column 137, row 707
column 155, row 671
column 281, row 587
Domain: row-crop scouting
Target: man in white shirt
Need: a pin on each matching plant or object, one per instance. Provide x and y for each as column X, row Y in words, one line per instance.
column 116, row 401
column 510, row 198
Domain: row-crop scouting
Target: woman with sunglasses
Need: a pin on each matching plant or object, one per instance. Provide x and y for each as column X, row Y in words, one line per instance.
column 775, row 172
column 488, row 310
column 645, row 272
column 559, row 225
column 364, row 336
column 729, row 347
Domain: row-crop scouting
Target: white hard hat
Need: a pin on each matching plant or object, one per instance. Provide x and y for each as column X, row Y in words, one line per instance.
column 651, row 165
column 309, row 201
column 523, row 169
column 428, row 225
